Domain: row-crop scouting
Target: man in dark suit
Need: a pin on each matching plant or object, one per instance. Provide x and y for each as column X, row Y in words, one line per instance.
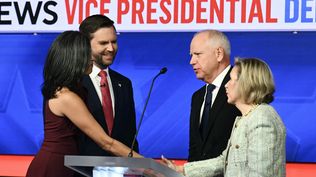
column 210, row 59
column 114, row 108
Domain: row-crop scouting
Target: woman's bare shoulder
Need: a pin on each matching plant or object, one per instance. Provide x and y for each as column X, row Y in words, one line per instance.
column 65, row 99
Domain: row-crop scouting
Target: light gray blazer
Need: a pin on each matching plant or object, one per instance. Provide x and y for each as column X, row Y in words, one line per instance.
column 256, row 148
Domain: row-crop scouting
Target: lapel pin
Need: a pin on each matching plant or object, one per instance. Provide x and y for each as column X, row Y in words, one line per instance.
column 120, row 85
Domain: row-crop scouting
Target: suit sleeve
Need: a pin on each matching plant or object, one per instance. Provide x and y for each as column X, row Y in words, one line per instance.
column 133, row 114
column 192, row 140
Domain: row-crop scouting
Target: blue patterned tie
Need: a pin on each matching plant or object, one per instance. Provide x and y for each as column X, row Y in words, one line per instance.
column 206, row 111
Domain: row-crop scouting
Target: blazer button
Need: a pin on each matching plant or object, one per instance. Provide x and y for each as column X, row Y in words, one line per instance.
column 237, row 146
column 235, row 125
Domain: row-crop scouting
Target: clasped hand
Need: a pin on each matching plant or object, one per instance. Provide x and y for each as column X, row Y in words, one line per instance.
column 171, row 164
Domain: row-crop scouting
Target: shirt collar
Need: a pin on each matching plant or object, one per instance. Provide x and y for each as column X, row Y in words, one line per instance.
column 96, row 70
column 219, row 79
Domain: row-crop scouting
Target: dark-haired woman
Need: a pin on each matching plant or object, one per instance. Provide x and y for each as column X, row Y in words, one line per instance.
column 68, row 59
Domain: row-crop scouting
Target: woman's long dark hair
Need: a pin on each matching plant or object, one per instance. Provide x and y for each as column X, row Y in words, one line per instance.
column 66, row 63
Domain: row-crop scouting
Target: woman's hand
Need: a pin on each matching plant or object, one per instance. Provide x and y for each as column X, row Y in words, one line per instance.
column 172, row 165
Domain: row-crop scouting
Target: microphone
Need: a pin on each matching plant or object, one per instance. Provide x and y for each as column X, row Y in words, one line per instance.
column 162, row 71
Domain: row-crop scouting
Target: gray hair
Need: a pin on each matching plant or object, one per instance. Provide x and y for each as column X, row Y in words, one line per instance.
column 218, row 39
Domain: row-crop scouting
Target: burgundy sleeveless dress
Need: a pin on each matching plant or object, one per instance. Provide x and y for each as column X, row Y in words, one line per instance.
column 59, row 140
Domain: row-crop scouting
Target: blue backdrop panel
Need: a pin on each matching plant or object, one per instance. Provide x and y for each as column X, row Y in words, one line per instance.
column 292, row 58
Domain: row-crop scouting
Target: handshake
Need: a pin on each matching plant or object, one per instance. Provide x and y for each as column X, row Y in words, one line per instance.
column 172, row 165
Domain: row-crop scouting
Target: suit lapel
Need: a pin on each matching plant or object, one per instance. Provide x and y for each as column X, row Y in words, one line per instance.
column 93, row 102
column 219, row 101
column 197, row 106
column 116, row 86
column 93, row 96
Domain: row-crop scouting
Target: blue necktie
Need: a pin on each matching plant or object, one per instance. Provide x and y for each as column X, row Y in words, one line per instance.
column 206, row 111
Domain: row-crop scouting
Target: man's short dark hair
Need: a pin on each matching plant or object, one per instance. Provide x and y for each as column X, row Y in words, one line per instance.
column 93, row 23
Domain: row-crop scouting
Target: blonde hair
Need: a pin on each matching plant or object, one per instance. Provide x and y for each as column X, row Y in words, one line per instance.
column 256, row 84
column 218, row 39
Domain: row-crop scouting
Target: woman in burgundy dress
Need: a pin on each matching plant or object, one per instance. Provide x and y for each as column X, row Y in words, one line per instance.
column 69, row 58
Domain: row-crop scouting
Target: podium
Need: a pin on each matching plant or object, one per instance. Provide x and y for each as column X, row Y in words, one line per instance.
column 93, row 166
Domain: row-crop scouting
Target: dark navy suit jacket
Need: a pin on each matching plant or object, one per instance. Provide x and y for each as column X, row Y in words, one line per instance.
column 124, row 127
column 222, row 117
